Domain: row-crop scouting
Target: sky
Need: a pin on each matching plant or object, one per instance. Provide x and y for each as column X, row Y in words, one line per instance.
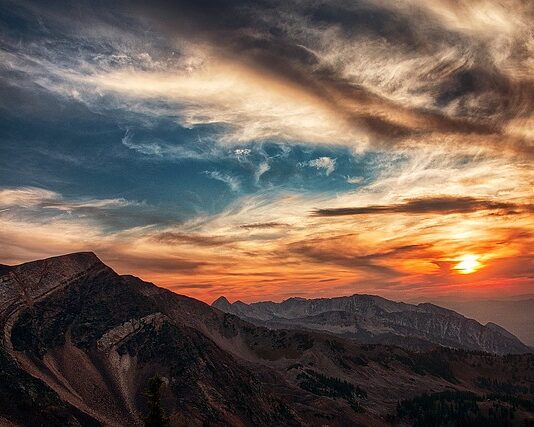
column 268, row 149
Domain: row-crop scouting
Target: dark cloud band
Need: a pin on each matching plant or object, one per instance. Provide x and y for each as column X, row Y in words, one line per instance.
column 428, row 205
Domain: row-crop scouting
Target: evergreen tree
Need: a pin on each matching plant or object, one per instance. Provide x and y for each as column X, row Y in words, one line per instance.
column 156, row 415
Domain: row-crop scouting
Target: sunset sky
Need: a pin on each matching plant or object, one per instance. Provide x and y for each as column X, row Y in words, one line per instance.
column 268, row 149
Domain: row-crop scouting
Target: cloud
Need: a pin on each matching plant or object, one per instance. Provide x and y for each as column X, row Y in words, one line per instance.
column 325, row 251
column 355, row 179
column 151, row 263
column 159, row 149
column 35, row 204
column 380, row 75
column 416, row 71
column 326, row 163
column 26, row 196
column 262, row 168
column 263, row 225
column 191, row 286
column 428, row 205
column 323, row 257
column 172, row 238
column 34, row 197
column 229, row 180
column 272, row 245
column 242, row 153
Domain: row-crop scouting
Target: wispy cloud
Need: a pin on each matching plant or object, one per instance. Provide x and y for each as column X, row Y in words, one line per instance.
column 262, row 168
column 355, row 179
column 263, row 225
column 182, row 238
column 232, row 181
column 34, row 197
column 155, row 148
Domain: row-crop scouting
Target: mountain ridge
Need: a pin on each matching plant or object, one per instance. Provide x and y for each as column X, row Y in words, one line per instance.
column 513, row 314
column 376, row 316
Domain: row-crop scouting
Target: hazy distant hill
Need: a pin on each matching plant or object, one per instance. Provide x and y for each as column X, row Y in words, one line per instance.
column 516, row 315
column 79, row 343
column 368, row 318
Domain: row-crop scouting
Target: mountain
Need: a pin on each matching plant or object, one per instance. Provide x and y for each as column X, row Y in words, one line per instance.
column 515, row 315
column 372, row 319
column 80, row 343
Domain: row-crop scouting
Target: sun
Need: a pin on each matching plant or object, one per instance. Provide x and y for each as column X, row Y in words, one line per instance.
column 468, row 264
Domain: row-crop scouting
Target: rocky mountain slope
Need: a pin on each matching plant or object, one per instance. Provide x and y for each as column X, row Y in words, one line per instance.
column 372, row 319
column 79, row 343
column 515, row 315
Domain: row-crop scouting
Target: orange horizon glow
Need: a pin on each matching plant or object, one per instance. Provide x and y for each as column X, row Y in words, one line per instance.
column 308, row 256
column 284, row 154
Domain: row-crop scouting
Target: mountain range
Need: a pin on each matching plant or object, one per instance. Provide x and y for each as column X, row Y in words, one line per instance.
column 373, row 319
column 80, row 342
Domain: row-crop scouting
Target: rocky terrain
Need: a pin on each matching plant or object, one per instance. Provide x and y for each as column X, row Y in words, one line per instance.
column 80, row 342
column 372, row 319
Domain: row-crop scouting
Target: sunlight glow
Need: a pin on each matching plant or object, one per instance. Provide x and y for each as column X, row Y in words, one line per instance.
column 468, row 264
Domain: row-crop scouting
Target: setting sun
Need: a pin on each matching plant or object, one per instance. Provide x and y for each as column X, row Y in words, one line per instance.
column 468, row 264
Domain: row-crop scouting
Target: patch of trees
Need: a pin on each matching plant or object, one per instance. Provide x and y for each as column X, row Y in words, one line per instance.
column 433, row 363
column 460, row 409
column 155, row 416
column 322, row 385
column 304, row 341
column 516, row 402
column 503, row 387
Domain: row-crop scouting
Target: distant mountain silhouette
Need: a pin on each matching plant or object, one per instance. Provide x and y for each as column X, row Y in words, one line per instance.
column 373, row 319
column 80, row 343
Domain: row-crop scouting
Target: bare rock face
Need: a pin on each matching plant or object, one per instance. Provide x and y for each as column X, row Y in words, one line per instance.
column 369, row 318
column 115, row 336
column 80, row 343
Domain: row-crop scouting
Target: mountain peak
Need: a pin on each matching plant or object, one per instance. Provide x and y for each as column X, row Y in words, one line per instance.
column 221, row 302
column 38, row 276
column 71, row 258
column 28, row 283
column 76, row 258
column 87, row 256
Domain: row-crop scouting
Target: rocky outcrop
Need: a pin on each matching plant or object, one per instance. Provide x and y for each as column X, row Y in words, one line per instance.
column 115, row 336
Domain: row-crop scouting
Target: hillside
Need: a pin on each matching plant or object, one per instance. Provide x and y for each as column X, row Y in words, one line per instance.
column 80, row 343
